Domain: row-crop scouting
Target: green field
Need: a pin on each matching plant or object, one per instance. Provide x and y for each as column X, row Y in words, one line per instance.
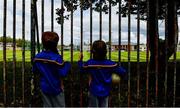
column 67, row 56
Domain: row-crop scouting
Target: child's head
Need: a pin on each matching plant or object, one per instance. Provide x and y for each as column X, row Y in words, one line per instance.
column 50, row 41
column 99, row 50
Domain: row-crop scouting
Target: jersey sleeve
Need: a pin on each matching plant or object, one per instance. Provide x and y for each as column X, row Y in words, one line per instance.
column 81, row 66
column 121, row 71
column 34, row 68
column 64, row 69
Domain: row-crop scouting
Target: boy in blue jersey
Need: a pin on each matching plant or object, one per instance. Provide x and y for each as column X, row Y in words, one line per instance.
column 100, row 70
column 51, row 68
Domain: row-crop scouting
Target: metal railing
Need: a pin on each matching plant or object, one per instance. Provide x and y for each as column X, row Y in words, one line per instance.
column 141, row 92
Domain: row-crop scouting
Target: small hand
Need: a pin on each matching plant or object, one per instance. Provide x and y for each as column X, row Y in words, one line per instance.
column 80, row 56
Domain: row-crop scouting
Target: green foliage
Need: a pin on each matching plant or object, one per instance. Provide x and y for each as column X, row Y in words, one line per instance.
column 103, row 6
column 99, row 5
column 19, row 42
column 8, row 39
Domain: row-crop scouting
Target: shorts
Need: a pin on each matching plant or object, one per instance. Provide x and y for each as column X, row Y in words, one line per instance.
column 95, row 101
column 53, row 101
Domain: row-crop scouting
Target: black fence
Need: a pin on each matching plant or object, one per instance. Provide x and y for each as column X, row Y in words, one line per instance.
column 145, row 87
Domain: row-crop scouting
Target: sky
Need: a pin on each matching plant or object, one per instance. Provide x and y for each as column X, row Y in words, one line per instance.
column 76, row 27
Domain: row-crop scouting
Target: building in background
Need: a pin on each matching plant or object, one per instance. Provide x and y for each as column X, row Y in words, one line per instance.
column 124, row 46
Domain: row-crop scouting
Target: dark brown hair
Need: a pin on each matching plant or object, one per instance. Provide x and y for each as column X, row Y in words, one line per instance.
column 50, row 41
column 99, row 50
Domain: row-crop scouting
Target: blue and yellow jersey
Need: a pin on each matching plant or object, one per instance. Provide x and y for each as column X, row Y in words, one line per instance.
column 101, row 72
column 51, row 68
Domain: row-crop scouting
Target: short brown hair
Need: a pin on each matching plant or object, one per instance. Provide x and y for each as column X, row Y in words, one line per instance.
column 99, row 50
column 50, row 40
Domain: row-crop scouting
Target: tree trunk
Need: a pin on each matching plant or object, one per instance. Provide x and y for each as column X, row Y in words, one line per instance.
column 153, row 32
column 172, row 31
column 158, row 48
column 172, row 37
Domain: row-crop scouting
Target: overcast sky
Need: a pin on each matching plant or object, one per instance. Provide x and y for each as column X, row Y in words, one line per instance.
column 76, row 27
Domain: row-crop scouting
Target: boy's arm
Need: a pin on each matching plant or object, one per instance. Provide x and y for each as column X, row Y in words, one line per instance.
column 34, row 68
column 80, row 63
column 121, row 71
column 64, row 69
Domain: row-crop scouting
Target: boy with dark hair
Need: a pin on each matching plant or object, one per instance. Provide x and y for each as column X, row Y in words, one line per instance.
column 100, row 70
column 51, row 67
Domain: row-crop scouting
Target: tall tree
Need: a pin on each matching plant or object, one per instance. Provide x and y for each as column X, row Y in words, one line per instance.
column 157, row 10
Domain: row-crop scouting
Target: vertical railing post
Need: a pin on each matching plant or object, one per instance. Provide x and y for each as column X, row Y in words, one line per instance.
column 119, row 44
column 81, row 24
column 90, row 28
column 14, row 52
column 147, row 56
column 109, row 29
column 62, row 28
column 129, row 51
column 36, row 27
column 100, row 21
column 166, row 52
column 138, row 42
column 156, row 55
column 33, row 4
column 52, row 15
column 33, row 51
column 81, row 48
column 42, row 16
column 175, row 66
column 42, row 23
column 72, row 53
column 110, row 100
column 175, row 50
column 23, row 49
column 4, row 53
column 119, row 34
column 154, row 38
column 71, row 32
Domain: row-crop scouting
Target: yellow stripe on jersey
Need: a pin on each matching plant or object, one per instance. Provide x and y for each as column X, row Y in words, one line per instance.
column 100, row 66
column 47, row 61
